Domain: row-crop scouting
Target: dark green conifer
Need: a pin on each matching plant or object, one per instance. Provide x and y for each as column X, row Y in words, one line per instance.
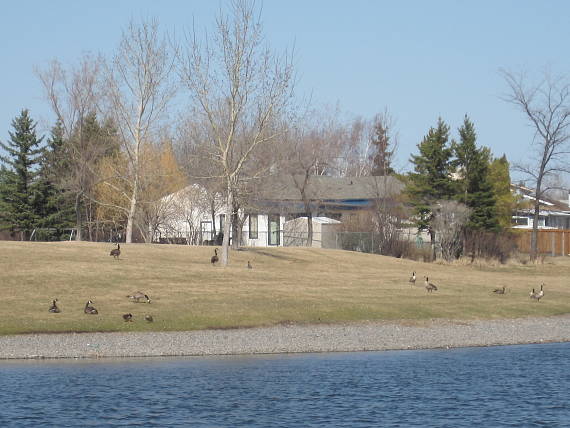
column 473, row 179
column 431, row 179
column 19, row 177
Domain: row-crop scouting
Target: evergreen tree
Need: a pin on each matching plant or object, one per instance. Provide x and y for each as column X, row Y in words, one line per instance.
column 23, row 155
column 501, row 182
column 53, row 205
column 476, row 188
column 431, row 180
column 382, row 160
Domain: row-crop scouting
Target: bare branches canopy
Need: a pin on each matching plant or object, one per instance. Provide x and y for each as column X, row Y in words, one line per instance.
column 240, row 89
column 546, row 107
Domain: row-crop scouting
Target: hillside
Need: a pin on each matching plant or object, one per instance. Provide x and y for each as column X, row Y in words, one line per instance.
column 285, row 285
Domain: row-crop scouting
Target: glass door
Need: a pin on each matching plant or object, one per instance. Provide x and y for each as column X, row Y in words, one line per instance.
column 274, row 235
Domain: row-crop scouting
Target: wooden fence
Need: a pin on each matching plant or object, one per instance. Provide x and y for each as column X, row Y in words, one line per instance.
column 552, row 242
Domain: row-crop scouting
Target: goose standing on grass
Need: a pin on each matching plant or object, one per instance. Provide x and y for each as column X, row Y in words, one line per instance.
column 249, row 266
column 90, row 309
column 53, row 308
column 128, row 317
column 429, row 286
column 539, row 294
column 116, row 252
column 412, row 279
column 499, row 290
column 532, row 294
column 214, row 258
column 138, row 295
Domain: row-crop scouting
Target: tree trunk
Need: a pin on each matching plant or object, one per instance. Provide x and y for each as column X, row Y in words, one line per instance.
column 432, row 241
column 78, row 224
column 132, row 211
column 236, row 235
column 309, row 229
column 226, row 241
column 534, row 233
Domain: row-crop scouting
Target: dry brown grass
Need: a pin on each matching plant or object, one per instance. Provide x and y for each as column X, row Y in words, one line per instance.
column 285, row 285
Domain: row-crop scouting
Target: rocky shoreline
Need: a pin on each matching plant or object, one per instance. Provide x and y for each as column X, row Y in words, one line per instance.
column 370, row 336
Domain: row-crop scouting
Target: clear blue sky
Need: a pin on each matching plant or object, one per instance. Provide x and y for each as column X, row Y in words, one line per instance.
column 420, row 59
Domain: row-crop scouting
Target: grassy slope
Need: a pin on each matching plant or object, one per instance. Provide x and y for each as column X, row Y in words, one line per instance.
column 286, row 284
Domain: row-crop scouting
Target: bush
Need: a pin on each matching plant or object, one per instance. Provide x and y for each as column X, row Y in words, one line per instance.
column 489, row 245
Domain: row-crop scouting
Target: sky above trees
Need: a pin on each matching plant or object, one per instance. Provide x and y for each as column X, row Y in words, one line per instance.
column 420, row 60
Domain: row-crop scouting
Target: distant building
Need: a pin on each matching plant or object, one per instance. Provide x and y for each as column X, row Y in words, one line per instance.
column 270, row 206
column 553, row 214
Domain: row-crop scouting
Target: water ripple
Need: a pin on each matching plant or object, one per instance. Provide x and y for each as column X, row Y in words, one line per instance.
column 512, row 386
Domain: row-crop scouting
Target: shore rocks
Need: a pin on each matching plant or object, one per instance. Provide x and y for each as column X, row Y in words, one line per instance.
column 290, row 338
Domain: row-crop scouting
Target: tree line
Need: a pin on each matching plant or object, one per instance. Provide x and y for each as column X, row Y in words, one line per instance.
column 218, row 108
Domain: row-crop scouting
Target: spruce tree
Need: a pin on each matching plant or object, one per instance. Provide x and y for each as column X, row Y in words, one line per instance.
column 23, row 155
column 52, row 204
column 431, row 180
column 476, row 188
column 501, row 182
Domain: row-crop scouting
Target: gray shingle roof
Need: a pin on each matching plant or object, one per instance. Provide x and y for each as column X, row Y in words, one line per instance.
column 284, row 188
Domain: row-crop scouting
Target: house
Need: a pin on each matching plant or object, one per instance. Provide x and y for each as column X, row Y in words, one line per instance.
column 553, row 214
column 271, row 202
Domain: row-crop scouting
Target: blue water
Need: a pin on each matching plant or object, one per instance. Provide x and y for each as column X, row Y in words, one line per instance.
column 514, row 386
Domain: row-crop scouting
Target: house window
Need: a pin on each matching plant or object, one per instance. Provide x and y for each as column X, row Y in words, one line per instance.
column 222, row 221
column 253, row 231
column 274, row 235
column 520, row 221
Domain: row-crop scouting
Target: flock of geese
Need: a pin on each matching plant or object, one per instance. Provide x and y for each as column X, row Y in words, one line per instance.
column 136, row 297
column 430, row 287
column 89, row 309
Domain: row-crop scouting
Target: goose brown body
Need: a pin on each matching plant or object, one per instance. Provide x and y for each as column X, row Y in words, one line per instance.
column 116, row 252
column 90, row 310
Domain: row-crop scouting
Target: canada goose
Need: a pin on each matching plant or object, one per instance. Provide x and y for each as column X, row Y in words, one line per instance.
column 429, row 286
column 532, row 294
column 214, row 258
column 53, row 308
column 138, row 295
column 499, row 290
column 412, row 279
column 90, row 309
column 128, row 317
column 249, row 266
column 539, row 294
column 148, row 318
column 116, row 252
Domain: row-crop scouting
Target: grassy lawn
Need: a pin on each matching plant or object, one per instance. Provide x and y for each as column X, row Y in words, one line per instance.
column 285, row 285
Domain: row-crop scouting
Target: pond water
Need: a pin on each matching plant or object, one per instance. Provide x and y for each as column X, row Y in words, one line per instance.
column 515, row 386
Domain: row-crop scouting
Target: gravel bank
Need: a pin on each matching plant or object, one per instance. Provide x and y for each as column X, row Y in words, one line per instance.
column 289, row 338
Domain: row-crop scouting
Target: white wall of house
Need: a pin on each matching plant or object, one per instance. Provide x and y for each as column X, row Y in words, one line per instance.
column 265, row 234
column 186, row 215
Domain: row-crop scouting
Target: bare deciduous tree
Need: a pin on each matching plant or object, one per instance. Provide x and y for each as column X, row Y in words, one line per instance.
column 449, row 219
column 72, row 94
column 74, row 97
column 239, row 88
column 311, row 146
column 138, row 90
column 546, row 106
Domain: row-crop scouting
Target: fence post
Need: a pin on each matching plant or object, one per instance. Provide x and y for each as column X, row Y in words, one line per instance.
column 552, row 239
